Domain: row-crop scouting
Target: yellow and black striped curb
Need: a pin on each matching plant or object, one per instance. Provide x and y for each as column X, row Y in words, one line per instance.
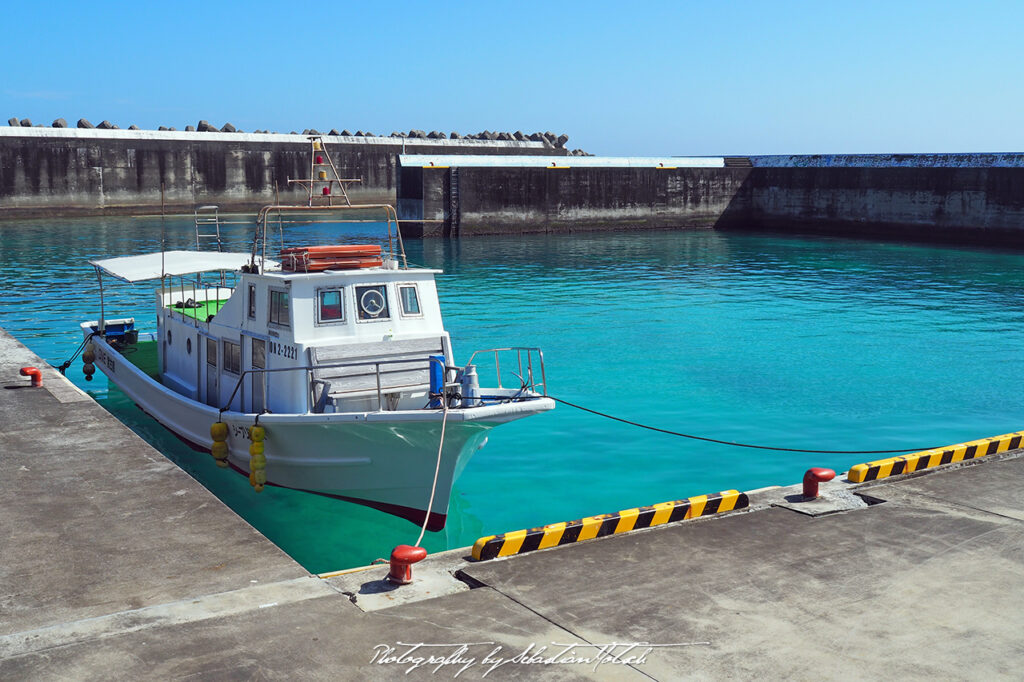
column 908, row 464
column 555, row 534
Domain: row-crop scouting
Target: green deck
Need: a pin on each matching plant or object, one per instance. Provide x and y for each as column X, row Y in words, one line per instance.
column 204, row 310
column 144, row 356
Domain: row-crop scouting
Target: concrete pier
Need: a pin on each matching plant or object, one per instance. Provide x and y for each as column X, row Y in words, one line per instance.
column 117, row 565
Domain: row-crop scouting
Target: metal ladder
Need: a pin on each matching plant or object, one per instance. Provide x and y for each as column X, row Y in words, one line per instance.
column 454, row 205
column 207, row 217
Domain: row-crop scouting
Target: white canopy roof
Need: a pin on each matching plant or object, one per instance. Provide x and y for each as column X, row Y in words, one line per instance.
column 153, row 265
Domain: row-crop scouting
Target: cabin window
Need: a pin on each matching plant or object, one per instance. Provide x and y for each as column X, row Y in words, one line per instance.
column 372, row 302
column 252, row 301
column 330, row 308
column 211, row 352
column 232, row 357
column 410, row 300
column 279, row 312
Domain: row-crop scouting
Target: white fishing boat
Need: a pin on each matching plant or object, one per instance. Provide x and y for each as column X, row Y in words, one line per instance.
column 338, row 353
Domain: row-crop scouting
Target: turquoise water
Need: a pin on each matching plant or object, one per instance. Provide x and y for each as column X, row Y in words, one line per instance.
column 812, row 343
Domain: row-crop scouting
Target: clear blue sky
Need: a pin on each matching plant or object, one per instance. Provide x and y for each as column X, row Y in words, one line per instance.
column 620, row 78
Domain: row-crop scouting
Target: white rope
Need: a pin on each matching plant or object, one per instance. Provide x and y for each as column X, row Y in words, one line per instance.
column 437, row 468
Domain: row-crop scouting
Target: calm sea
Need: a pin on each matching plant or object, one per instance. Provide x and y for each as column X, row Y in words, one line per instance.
column 814, row 343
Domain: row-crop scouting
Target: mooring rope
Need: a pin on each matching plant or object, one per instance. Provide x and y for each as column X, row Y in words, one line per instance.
column 437, row 468
column 738, row 445
column 62, row 368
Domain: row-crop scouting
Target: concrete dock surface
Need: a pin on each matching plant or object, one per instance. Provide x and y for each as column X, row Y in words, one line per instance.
column 117, row 565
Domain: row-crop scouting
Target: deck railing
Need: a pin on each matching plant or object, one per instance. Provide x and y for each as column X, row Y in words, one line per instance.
column 526, row 375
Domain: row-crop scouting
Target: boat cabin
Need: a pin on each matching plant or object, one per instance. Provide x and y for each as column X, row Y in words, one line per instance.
column 293, row 341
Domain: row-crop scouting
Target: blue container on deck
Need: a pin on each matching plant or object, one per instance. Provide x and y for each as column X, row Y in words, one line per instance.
column 436, row 378
column 119, row 330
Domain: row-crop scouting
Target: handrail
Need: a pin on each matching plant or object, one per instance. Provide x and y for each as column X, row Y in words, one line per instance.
column 530, row 385
column 335, row 365
column 528, row 381
column 390, row 214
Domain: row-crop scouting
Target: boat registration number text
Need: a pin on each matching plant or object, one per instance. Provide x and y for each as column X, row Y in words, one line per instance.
column 104, row 359
column 282, row 349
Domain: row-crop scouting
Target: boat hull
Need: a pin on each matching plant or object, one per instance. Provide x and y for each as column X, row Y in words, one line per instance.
column 386, row 459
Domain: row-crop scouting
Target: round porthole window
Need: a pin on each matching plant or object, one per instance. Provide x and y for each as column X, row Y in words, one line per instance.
column 188, row 346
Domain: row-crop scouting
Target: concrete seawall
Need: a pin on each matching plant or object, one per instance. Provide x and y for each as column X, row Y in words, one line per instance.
column 633, row 198
column 555, row 195
column 952, row 197
column 967, row 198
column 937, row 203
column 50, row 171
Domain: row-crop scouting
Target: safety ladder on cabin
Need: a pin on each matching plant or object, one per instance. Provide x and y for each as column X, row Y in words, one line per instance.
column 207, row 219
column 323, row 176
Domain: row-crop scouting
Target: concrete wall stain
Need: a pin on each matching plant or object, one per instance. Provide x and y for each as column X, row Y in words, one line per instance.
column 31, row 163
column 211, row 166
column 255, row 169
column 140, row 169
column 290, row 164
column 7, row 170
column 161, row 164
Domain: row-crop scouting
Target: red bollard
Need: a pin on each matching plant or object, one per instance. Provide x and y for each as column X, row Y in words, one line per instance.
column 402, row 559
column 37, row 376
column 812, row 478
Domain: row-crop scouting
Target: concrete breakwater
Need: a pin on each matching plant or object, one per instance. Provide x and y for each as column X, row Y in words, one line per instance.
column 466, row 195
column 959, row 198
column 499, row 183
column 968, row 198
column 89, row 171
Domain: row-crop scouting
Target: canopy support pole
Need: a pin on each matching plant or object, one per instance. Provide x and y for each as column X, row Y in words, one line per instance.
column 102, row 324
